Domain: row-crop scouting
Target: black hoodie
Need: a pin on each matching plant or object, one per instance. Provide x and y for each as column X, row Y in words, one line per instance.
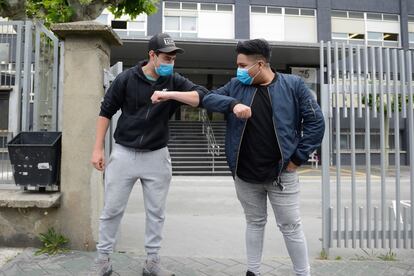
column 143, row 125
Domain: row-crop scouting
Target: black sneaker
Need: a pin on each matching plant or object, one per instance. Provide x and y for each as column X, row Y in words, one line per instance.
column 249, row 273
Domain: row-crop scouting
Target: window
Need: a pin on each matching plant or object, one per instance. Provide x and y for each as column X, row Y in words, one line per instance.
column 277, row 10
column 119, row 24
column 411, row 39
column 208, row 7
column 172, row 5
column 374, row 16
column 357, row 15
column 181, row 26
column 103, row 18
column 224, row 7
column 274, row 10
column 411, row 18
column 257, row 9
column 349, row 38
column 283, row 23
column 374, row 36
column 369, row 16
column 307, row 12
column 377, row 29
column 382, row 39
column 136, row 25
column 390, row 17
column 4, row 110
column 189, row 19
column 339, row 14
column 291, row 11
column 172, row 23
column 189, row 6
column 189, row 23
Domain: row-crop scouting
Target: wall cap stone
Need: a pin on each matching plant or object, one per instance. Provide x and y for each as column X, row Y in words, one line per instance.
column 21, row 199
column 82, row 28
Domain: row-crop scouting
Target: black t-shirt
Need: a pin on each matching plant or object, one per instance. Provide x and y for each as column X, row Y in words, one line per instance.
column 259, row 151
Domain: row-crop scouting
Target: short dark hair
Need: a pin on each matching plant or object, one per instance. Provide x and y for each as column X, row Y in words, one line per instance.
column 255, row 47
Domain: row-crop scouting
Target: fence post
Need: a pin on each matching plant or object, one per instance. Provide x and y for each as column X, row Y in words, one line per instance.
column 326, row 223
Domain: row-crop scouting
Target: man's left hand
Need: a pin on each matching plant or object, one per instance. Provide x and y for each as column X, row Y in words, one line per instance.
column 159, row 96
column 291, row 167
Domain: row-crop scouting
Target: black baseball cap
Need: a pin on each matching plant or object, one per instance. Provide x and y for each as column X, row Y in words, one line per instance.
column 163, row 43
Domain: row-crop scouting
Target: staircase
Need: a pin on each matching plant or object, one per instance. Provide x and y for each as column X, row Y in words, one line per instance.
column 189, row 149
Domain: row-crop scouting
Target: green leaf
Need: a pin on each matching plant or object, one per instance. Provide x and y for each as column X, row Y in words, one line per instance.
column 53, row 243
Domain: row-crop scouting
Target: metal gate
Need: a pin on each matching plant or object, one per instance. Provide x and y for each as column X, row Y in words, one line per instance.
column 30, row 59
column 368, row 147
column 109, row 77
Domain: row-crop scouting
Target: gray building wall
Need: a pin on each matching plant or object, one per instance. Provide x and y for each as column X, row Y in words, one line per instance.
column 323, row 8
column 386, row 6
column 287, row 3
column 410, row 7
column 154, row 24
column 242, row 19
column 404, row 24
column 324, row 26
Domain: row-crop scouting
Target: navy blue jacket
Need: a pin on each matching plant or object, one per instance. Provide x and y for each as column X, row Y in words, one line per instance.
column 297, row 118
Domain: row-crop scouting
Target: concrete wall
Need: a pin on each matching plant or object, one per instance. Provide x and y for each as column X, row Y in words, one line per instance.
column 23, row 216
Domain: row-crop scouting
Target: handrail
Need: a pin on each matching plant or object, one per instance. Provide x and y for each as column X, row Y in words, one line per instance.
column 212, row 147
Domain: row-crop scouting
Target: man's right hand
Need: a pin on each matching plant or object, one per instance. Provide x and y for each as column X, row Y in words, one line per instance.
column 98, row 159
column 242, row 111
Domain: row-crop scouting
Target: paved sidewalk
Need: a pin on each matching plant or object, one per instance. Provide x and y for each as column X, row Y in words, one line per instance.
column 77, row 263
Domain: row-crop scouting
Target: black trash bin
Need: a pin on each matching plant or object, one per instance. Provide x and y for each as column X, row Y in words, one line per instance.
column 35, row 158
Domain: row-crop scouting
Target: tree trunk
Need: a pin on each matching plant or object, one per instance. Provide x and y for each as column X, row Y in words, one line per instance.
column 89, row 11
column 14, row 10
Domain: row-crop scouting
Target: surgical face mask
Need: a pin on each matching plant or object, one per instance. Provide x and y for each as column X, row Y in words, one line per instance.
column 243, row 75
column 165, row 69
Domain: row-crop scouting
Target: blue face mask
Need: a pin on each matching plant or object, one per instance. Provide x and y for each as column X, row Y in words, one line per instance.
column 243, row 75
column 165, row 69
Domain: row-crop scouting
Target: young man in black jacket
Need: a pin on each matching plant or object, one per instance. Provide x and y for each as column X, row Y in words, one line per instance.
column 141, row 149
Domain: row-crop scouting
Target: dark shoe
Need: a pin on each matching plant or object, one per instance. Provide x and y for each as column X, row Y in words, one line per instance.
column 154, row 268
column 249, row 273
column 101, row 267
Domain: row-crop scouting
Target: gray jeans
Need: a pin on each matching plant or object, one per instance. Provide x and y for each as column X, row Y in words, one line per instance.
column 285, row 204
column 124, row 168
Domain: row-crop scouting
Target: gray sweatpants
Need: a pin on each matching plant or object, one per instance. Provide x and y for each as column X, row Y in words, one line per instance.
column 285, row 204
column 124, row 168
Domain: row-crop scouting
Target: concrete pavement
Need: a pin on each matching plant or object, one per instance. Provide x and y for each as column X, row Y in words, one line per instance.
column 204, row 235
column 77, row 263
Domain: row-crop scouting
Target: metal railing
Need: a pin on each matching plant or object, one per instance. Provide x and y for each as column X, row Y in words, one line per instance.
column 6, row 171
column 212, row 147
column 369, row 207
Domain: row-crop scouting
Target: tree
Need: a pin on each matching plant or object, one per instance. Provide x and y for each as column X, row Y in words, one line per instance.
column 59, row 11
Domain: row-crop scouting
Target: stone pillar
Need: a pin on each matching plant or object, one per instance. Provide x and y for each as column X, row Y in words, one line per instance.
column 86, row 55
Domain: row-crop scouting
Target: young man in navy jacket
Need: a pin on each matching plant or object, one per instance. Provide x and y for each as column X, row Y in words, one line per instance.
column 277, row 124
